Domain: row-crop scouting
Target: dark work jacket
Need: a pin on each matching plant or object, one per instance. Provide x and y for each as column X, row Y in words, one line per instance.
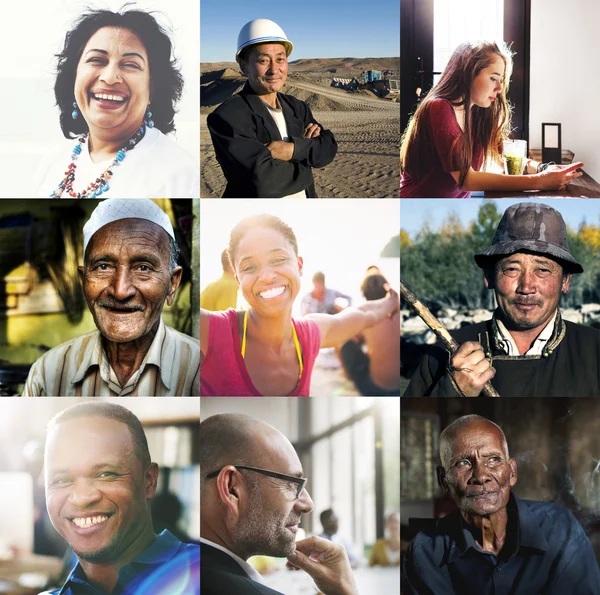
column 570, row 369
column 546, row 552
column 220, row 574
column 242, row 126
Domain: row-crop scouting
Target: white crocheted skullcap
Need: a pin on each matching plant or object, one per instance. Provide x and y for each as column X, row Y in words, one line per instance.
column 114, row 209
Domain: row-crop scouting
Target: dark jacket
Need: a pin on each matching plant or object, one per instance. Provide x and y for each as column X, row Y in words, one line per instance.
column 241, row 127
column 220, row 573
column 569, row 368
column 546, row 552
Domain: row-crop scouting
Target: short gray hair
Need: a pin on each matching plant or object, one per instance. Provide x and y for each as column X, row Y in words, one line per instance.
column 449, row 433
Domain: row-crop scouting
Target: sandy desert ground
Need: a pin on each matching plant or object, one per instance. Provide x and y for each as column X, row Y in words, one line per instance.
column 367, row 130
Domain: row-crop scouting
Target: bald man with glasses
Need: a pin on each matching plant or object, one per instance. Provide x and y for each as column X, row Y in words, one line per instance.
column 253, row 496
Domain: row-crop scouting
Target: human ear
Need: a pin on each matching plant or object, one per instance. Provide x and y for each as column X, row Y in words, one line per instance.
column 151, row 479
column 300, row 265
column 175, row 281
column 230, row 488
column 441, row 476
column 513, row 471
column 566, row 282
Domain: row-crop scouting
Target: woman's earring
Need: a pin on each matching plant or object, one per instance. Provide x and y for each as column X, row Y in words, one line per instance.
column 149, row 122
column 75, row 113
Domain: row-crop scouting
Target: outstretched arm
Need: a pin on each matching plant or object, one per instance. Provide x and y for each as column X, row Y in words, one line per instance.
column 336, row 329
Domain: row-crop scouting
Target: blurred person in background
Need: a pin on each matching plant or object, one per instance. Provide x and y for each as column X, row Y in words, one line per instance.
column 99, row 483
column 222, row 293
column 386, row 551
column 331, row 525
column 377, row 372
column 252, row 498
column 495, row 543
column 323, row 299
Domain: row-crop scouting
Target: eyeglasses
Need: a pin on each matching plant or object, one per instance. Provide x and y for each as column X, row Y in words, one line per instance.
column 301, row 481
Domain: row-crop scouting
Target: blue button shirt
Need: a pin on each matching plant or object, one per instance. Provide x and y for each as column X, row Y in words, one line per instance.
column 546, row 552
column 167, row 567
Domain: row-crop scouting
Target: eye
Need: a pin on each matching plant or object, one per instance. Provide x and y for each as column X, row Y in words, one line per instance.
column 106, row 474
column 145, row 268
column 248, row 268
column 101, row 266
column 61, row 481
column 96, row 60
column 280, row 260
column 495, row 459
column 462, row 463
column 132, row 65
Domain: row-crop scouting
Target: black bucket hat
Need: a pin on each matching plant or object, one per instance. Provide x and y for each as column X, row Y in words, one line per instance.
column 531, row 227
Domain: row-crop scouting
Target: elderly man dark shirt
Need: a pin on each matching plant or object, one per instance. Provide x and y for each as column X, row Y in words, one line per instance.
column 495, row 543
column 548, row 554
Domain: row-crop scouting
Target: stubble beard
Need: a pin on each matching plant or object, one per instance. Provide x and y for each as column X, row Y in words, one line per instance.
column 263, row 531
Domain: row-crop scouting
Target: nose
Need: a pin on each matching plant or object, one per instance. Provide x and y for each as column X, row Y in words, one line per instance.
column 110, row 74
column 480, row 473
column 83, row 493
column 121, row 286
column 526, row 282
column 304, row 503
column 266, row 273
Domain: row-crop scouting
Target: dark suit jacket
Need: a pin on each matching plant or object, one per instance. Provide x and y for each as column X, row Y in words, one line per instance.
column 220, row 574
column 242, row 126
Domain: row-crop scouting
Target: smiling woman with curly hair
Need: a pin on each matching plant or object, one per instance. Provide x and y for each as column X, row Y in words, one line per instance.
column 117, row 86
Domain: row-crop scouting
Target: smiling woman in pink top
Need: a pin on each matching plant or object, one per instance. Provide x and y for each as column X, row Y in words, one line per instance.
column 459, row 127
column 263, row 351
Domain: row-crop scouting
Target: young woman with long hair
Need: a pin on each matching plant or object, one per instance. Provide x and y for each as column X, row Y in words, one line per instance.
column 459, row 128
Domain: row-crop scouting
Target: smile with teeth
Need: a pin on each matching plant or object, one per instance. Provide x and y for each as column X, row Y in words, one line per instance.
column 116, row 98
column 272, row 293
column 85, row 522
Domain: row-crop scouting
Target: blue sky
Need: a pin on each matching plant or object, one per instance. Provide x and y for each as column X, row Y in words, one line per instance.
column 413, row 213
column 317, row 28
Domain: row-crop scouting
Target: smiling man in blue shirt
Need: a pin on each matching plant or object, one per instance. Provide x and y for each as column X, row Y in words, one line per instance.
column 99, row 482
column 496, row 543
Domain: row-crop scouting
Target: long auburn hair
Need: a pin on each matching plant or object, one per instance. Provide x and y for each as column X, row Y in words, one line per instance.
column 485, row 126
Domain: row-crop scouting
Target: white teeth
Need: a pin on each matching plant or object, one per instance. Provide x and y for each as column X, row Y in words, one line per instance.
column 271, row 293
column 110, row 97
column 83, row 523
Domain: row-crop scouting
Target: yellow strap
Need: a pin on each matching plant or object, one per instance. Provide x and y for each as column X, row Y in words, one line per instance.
column 294, row 335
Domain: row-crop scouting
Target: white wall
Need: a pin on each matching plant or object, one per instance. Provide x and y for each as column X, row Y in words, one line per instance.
column 280, row 412
column 565, row 88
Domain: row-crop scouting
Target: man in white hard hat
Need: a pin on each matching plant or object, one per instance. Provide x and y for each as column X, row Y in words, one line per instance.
column 129, row 272
column 265, row 141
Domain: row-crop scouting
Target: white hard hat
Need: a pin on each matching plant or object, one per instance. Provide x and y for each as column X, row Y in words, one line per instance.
column 262, row 31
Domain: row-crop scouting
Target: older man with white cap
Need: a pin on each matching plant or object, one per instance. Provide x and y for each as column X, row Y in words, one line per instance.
column 267, row 142
column 129, row 271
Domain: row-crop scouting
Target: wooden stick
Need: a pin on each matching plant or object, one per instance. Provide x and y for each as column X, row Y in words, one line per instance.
column 441, row 332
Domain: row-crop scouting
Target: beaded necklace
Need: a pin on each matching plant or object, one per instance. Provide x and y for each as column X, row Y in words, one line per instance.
column 100, row 185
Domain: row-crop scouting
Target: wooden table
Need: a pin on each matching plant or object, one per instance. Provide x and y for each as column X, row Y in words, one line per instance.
column 583, row 187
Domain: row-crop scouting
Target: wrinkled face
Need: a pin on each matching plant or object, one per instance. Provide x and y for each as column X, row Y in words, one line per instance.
column 266, row 67
column 269, row 522
column 267, row 270
column 528, row 289
column 112, row 85
column 126, row 280
column 96, row 488
column 488, row 84
column 479, row 474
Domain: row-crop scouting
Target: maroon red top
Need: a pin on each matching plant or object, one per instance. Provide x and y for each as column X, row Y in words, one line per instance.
column 439, row 129
column 223, row 372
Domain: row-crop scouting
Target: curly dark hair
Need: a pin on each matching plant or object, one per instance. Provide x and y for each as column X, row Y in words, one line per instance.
column 259, row 221
column 166, row 82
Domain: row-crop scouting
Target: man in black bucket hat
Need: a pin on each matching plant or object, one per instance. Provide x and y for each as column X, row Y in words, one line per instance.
column 526, row 349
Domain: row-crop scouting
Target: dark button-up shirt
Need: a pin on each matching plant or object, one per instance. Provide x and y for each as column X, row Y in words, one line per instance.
column 167, row 567
column 546, row 552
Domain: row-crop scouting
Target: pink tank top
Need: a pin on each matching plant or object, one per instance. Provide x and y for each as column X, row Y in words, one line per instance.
column 223, row 372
